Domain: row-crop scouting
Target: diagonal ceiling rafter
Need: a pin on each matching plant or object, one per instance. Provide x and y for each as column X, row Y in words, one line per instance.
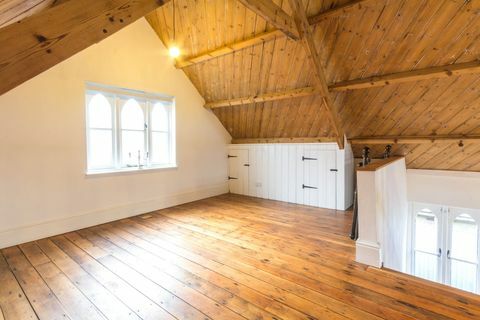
column 274, row 15
column 41, row 41
column 301, row 20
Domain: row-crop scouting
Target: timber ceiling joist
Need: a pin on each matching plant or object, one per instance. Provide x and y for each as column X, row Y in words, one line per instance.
column 40, row 41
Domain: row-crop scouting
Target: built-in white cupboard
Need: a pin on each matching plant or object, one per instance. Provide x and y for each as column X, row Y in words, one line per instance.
column 317, row 174
column 445, row 246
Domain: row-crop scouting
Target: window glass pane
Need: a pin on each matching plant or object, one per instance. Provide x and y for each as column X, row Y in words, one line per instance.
column 132, row 116
column 464, row 275
column 426, row 266
column 160, row 148
column 160, row 117
column 426, row 231
column 132, row 145
column 100, row 149
column 99, row 112
column 464, row 238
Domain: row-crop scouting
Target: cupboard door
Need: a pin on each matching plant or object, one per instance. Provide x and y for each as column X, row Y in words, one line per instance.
column 462, row 249
column 238, row 171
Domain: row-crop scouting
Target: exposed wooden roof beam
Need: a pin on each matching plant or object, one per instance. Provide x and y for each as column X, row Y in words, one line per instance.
column 264, row 37
column 294, row 93
column 415, row 75
column 285, row 140
column 407, row 76
column 413, row 139
column 45, row 39
column 13, row 11
column 336, row 11
column 306, row 36
column 274, row 15
column 261, row 38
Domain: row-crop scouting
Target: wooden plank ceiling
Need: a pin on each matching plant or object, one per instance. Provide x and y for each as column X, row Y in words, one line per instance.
column 403, row 40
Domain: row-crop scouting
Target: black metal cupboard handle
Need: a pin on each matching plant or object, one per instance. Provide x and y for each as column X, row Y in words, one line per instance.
column 308, row 187
column 306, row 158
column 229, row 156
column 232, row 178
column 448, row 254
column 439, row 252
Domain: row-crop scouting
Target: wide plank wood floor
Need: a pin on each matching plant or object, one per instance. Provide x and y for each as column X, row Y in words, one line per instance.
column 228, row 257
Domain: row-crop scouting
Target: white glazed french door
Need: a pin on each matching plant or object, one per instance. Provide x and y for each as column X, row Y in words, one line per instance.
column 427, row 242
column 445, row 245
column 462, row 253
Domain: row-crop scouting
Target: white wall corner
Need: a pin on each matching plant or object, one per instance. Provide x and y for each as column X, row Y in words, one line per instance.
column 50, row 228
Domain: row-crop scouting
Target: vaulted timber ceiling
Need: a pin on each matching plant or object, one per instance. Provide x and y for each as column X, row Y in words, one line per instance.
column 405, row 70
column 423, row 54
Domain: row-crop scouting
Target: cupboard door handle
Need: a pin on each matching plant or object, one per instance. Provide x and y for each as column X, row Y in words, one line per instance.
column 448, row 254
column 232, row 178
column 439, row 252
column 308, row 187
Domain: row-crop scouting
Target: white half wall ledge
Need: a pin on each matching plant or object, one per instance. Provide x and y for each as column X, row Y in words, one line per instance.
column 382, row 214
column 59, row 226
column 368, row 253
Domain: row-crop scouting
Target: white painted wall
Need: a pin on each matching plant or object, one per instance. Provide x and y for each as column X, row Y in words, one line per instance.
column 276, row 172
column 43, row 187
column 383, row 216
column 447, row 188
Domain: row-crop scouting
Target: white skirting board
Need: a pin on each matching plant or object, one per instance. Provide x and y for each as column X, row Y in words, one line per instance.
column 50, row 228
column 368, row 253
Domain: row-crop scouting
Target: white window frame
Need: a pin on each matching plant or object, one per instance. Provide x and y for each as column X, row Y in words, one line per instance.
column 146, row 101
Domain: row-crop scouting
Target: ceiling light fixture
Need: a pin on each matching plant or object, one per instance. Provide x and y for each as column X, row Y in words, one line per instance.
column 174, row 51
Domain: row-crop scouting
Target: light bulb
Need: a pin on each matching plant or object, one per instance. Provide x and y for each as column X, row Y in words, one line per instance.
column 174, row 52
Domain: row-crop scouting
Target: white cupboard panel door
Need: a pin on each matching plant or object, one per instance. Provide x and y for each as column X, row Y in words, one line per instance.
column 277, row 175
column 330, row 185
column 238, row 172
column 291, row 172
column 463, row 249
column 252, row 172
column 300, row 175
column 311, row 177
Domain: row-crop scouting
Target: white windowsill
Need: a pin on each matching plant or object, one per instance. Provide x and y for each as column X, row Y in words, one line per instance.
column 132, row 170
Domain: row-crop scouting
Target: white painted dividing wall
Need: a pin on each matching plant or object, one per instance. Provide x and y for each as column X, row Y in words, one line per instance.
column 383, row 216
column 277, row 172
column 448, row 188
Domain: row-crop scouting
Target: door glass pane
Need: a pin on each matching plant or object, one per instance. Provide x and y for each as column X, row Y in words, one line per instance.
column 132, row 147
column 426, row 265
column 426, row 245
column 464, row 275
column 464, row 238
column 99, row 112
column 132, row 116
column 100, row 148
column 426, row 231
column 160, row 148
column 464, row 247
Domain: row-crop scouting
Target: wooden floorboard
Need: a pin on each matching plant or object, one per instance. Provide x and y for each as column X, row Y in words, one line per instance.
column 228, row 257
